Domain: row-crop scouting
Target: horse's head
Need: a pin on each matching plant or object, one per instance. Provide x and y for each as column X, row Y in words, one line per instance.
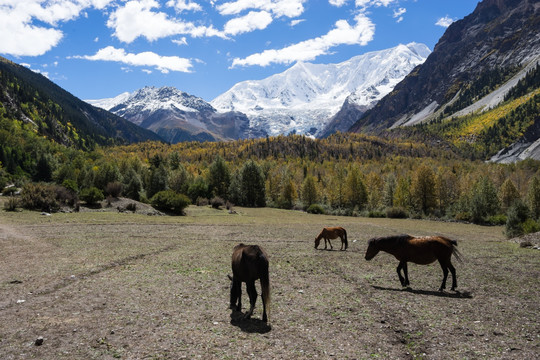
column 317, row 241
column 372, row 250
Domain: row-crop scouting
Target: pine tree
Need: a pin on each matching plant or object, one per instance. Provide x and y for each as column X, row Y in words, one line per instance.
column 219, row 178
column 534, row 197
column 309, row 191
column 355, row 191
column 252, row 185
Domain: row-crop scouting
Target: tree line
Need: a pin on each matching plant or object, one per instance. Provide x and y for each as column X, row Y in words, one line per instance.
column 334, row 176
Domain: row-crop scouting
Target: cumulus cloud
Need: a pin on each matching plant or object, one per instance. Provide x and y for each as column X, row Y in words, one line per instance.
column 147, row 58
column 343, row 33
column 338, row 3
column 183, row 5
column 254, row 20
column 27, row 38
column 288, row 8
column 364, row 4
column 137, row 19
column 445, row 21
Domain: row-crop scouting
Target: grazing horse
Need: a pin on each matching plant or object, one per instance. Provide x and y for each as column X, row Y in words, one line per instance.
column 328, row 233
column 249, row 263
column 419, row 250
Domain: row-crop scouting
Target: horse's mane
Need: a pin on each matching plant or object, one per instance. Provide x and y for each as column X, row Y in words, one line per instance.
column 397, row 239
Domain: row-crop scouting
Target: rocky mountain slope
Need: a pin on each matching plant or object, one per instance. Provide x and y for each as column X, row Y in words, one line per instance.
column 304, row 98
column 499, row 37
column 59, row 116
column 177, row 116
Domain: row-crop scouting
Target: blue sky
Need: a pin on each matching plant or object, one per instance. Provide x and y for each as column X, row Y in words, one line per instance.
column 101, row 48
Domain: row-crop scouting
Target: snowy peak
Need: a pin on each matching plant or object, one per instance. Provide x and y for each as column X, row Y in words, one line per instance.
column 151, row 99
column 304, row 97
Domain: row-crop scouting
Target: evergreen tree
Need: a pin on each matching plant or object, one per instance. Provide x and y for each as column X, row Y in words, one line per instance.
column 179, row 180
column 133, row 187
column 252, row 185
column 356, row 192
column 157, row 181
column 389, row 190
column 534, row 197
column 219, row 178
column 309, row 191
column 484, row 201
column 44, row 169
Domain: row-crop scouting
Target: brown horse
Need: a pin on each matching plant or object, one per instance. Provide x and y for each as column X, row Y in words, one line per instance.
column 249, row 263
column 419, row 250
column 328, row 233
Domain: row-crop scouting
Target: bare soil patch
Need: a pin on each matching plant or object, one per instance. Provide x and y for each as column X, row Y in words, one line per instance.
column 104, row 285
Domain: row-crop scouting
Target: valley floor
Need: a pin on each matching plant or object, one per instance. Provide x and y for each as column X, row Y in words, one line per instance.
column 114, row 285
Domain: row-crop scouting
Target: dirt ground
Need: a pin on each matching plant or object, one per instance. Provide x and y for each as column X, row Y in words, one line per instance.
column 105, row 285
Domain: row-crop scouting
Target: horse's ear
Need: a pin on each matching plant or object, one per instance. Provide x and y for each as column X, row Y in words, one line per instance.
column 229, row 276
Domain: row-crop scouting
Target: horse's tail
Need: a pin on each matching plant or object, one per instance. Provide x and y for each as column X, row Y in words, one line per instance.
column 456, row 252
column 345, row 239
column 265, row 285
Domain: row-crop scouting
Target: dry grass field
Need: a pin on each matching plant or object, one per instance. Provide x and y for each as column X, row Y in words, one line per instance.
column 105, row 285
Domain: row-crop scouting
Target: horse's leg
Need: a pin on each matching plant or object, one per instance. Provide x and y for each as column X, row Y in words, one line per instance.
column 252, row 292
column 342, row 243
column 324, row 243
column 331, row 247
column 444, row 267
column 400, row 266
column 454, row 279
column 236, row 292
column 406, row 273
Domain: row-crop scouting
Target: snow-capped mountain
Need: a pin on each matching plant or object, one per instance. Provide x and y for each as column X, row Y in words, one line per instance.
column 176, row 115
column 306, row 96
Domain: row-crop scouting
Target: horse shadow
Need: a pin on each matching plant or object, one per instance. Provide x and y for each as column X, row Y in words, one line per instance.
column 249, row 325
column 455, row 295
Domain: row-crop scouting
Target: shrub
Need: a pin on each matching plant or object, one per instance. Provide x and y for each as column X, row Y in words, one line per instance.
column 517, row 215
column 114, row 189
column 66, row 196
column 497, row 220
column 91, row 196
column 170, row 201
column 38, row 196
column 376, row 214
column 530, row 226
column 202, row 201
column 396, row 212
column 11, row 205
column 315, row 209
column 217, row 202
column 131, row 207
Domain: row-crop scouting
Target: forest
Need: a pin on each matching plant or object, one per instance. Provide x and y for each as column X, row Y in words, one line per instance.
column 345, row 174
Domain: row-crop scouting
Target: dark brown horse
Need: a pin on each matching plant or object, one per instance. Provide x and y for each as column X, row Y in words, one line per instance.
column 419, row 250
column 249, row 263
column 328, row 233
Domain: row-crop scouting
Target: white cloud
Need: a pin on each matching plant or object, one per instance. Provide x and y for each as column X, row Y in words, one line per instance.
column 147, row 71
column 343, row 33
column 288, row 8
column 252, row 21
column 399, row 14
column 183, row 5
column 161, row 63
column 364, row 4
column 445, row 21
column 296, row 22
column 338, row 3
column 181, row 41
column 136, row 19
column 27, row 38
